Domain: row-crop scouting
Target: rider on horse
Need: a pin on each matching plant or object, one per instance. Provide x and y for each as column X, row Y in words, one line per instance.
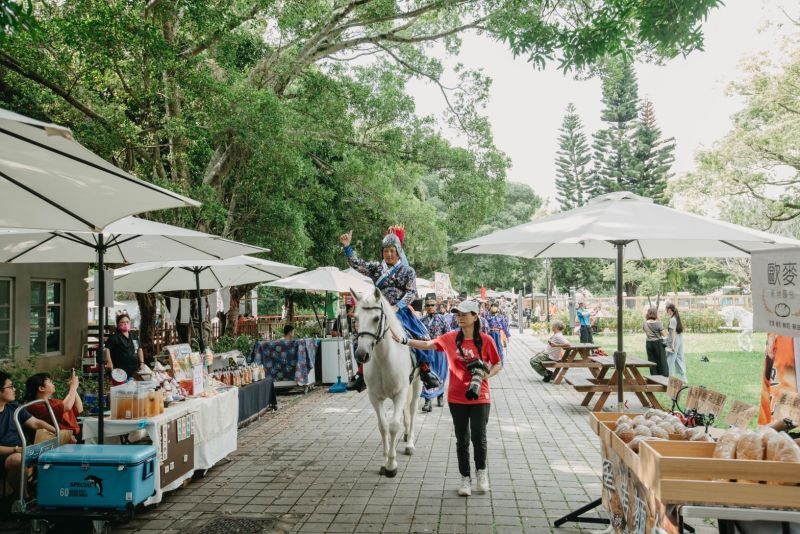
column 397, row 281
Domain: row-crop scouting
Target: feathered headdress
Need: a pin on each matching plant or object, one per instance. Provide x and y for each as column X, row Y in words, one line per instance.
column 395, row 237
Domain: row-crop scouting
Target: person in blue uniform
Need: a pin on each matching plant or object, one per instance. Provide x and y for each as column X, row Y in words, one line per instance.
column 496, row 326
column 437, row 326
column 397, row 280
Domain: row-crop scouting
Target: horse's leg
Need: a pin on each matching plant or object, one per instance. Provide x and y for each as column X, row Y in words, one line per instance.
column 377, row 405
column 411, row 414
column 399, row 401
column 407, row 410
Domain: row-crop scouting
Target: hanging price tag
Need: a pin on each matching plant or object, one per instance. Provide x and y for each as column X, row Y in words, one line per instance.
column 788, row 406
column 740, row 414
column 674, row 386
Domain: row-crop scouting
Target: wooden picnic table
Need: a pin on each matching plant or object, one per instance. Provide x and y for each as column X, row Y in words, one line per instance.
column 643, row 387
column 576, row 355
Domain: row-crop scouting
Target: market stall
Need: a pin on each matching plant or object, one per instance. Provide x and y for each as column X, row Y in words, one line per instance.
column 288, row 362
column 657, row 471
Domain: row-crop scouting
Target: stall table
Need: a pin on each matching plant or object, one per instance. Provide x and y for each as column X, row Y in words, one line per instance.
column 634, row 381
column 213, row 431
column 255, row 399
column 575, row 356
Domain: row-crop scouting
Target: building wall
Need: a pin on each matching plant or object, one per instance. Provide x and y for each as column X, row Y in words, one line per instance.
column 73, row 310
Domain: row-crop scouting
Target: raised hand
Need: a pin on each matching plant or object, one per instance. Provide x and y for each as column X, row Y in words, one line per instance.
column 346, row 239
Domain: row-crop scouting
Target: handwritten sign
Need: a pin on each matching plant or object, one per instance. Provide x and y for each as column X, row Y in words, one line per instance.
column 776, row 291
column 712, row 402
column 740, row 414
column 693, row 398
column 788, row 406
column 674, row 386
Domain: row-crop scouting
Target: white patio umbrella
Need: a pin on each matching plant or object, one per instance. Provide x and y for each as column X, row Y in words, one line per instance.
column 48, row 180
column 156, row 277
column 325, row 280
column 622, row 223
column 128, row 240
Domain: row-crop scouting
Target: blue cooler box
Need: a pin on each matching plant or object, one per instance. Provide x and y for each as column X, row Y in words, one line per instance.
column 96, row 476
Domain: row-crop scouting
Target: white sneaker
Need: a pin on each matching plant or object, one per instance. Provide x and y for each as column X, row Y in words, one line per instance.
column 465, row 490
column 483, row 480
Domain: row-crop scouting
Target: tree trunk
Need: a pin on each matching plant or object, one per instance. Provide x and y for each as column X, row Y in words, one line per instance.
column 630, row 291
column 147, row 323
column 232, row 318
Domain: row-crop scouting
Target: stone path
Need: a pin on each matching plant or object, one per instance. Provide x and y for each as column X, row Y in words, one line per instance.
column 313, row 467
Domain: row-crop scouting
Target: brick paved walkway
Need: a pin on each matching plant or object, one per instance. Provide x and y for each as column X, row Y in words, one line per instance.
column 314, row 465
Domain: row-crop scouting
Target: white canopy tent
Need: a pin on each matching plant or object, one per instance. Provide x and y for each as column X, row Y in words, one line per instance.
column 324, row 280
column 623, row 224
column 48, row 180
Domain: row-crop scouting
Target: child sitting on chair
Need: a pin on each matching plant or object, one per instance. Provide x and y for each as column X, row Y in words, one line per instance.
column 553, row 352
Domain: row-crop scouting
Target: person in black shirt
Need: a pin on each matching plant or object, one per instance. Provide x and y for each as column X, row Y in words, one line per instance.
column 122, row 348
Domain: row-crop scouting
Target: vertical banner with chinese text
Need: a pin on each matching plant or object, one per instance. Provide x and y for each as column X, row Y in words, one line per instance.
column 781, row 367
column 776, row 292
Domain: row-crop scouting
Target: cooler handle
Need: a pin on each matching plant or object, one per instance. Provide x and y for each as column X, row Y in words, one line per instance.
column 149, row 468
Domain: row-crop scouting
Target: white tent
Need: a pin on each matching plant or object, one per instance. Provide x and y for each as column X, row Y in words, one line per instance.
column 50, row 181
column 620, row 225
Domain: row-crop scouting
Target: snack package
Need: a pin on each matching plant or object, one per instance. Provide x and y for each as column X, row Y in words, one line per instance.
column 726, row 445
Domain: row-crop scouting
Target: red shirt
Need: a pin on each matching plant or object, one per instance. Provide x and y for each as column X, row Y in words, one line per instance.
column 66, row 420
column 459, row 376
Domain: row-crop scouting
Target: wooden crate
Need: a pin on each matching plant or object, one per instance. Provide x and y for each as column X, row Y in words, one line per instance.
column 682, row 472
column 596, row 419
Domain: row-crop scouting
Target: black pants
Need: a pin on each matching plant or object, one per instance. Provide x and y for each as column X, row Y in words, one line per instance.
column 657, row 353
column 470, row 419
column 586, row 334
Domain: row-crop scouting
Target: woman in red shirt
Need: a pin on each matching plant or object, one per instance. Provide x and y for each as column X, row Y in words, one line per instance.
column 40, row 386
column 469, row 352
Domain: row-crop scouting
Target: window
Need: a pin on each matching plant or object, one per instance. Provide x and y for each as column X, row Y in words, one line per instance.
column 5, row 316
column 46, row 316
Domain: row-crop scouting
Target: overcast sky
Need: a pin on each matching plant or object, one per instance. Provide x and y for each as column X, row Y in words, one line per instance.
column 527, row 106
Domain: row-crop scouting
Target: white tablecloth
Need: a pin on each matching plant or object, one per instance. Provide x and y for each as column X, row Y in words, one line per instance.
column 214, row 425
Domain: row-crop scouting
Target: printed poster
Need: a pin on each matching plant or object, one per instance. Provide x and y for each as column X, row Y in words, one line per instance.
column 781, row 373
column 776, row 292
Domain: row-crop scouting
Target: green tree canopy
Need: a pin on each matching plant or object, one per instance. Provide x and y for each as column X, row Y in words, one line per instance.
column 572, row 162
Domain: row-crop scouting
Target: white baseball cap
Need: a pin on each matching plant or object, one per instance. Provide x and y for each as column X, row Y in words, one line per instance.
column 467, row 306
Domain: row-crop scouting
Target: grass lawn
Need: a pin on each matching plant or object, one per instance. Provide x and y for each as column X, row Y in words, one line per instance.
column 729, row 370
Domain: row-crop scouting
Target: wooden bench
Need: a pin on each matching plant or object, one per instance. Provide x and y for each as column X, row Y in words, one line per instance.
column 585, row 385
column 658, row 379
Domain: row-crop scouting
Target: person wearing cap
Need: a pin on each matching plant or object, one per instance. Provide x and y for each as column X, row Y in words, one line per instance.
column 496, row 326
column 397, row 281
column 470, row 415
column 437, row 326
column 585, row 320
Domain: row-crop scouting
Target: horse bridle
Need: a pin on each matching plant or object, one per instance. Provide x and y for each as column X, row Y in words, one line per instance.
column 383, row 326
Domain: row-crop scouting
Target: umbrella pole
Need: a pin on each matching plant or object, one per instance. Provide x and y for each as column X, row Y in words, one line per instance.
column 199, row 309
column 100, row 293
column 619, row 355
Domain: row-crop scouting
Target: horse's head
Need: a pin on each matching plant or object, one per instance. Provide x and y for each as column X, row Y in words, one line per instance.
column 373, row 323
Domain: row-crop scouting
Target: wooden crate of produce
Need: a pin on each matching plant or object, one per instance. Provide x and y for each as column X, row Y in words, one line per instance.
column 596, row 419
column 680, row 472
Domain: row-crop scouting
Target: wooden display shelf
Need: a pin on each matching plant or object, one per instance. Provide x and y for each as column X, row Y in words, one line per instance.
column 596, row 419
column 682, row 472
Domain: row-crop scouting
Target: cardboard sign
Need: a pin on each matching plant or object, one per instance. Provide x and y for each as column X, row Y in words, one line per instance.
column 712, row 402
column 776, row 291
column 740, row 414
column 197, row 380
column 674, row 386
column 788, row 406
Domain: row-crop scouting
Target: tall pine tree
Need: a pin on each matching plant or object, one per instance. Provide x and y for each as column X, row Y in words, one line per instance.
column 613, row 145
column 652, row 157
column 572, row 161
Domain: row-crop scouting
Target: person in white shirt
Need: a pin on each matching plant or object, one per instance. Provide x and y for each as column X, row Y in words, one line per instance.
column 553, row 351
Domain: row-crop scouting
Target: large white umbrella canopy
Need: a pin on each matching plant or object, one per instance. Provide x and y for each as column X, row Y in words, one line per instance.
column 325, row 279
column 48, row 180
column 625, row 226
column 130, row 240
column 155, row 277
column 647, row 229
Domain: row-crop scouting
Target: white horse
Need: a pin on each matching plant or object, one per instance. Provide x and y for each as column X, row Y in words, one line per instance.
column 387, row 368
